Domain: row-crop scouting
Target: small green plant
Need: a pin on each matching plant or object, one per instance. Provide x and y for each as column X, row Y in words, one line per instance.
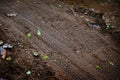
column 98, row 67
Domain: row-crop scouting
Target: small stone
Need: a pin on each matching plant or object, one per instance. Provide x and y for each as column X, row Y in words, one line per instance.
column 28, row 72
column 6, row 28
column 77, row 51
column 87, row 19
column 38, row 32
column 11, row 14
column 93, row 9
column 59, row 5
column 42, row 22
column 96, row 26
column 7, row 46
column 36, row 54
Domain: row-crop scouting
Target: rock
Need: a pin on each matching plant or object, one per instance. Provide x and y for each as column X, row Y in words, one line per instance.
column 96, row 26
column 38, row 32
column 11, row 14
column 6, row 28
column 7, row 46
column 28, row 72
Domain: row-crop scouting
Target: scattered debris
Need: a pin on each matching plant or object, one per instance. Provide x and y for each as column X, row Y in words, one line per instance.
column 3, row 48
column 20, row 45
column 8, row 58
column 45, row 57
column 11, row 14
column 7, row 46
column 98, row 67
column 29, row 35
column 28, row 72
column 111, row 63
column 2, row 52
column 87, row 11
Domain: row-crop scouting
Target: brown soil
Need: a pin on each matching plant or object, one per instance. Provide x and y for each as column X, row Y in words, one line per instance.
column 74, row 49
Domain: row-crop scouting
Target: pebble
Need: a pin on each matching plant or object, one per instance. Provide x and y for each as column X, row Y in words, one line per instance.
column 36, row 54
column 28, row 72
column 77, row 51
column 96, row 26
column 38, row 32
column 6, row 28
column 59, row 5
column 11, row 14
column 87, row 19
column 7, row 46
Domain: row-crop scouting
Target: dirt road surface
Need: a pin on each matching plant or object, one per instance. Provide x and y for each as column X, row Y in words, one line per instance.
column 74, row 49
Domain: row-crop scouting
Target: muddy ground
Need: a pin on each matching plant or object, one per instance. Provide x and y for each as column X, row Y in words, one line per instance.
column 74, row 48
